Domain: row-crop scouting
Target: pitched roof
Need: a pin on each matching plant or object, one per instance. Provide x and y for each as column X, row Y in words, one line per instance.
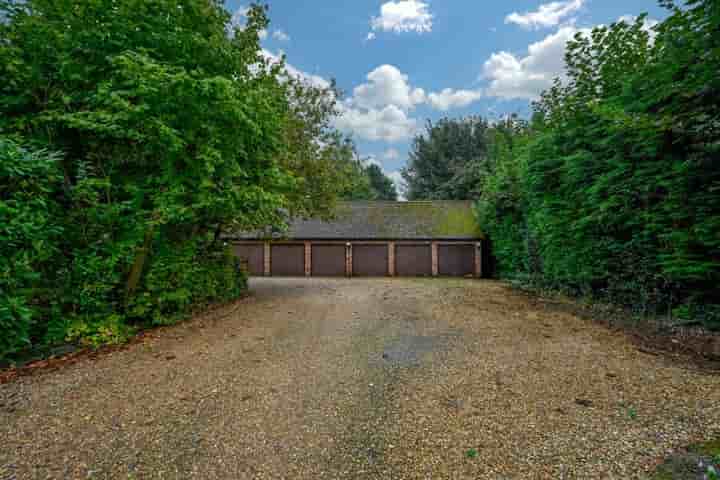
column 368, row 220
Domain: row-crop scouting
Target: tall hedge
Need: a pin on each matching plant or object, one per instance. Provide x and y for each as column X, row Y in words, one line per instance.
column 616, row 189
column 29, row 234
column 169, row 127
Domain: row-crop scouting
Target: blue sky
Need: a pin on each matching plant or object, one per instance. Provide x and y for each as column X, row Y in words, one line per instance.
column 402, row 62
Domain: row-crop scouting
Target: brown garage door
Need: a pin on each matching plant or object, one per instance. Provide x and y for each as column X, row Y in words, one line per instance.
column 251, row 256
column 328, row 260
column 456, row 260
column 413, row 260
column 370, row 260
column 287, row 260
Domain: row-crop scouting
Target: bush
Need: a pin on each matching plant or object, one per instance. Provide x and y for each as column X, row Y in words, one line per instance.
column 29, row 235
column 173, row 128
column 65, row 254
column 616, row 191
column 183, row 277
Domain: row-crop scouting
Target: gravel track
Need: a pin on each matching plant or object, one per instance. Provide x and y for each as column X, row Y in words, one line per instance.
column 362, row 378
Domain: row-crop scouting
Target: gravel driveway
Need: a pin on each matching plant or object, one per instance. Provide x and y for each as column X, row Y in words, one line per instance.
column 378, row 378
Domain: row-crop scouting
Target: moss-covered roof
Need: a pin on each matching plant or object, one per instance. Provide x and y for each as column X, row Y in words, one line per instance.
column 389, row 221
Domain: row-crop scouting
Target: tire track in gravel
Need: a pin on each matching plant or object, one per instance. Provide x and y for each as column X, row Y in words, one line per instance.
column 398, row 341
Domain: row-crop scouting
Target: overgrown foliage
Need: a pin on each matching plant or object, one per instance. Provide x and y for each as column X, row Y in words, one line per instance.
column 355, row 178
column 448, row 160
column 29, row 235
column 169, row 126
column 614, row 190
column 382, row 187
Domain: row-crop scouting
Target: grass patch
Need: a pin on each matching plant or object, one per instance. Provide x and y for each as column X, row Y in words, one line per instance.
column 706, row 449
column 699, row 460
column 471, row 453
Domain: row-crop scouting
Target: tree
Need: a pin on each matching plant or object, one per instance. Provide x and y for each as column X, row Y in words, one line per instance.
column 29, row 233
column 383, row 188
column 614, row 192
column 349, row 175
column 448, row 160
column 171, row 128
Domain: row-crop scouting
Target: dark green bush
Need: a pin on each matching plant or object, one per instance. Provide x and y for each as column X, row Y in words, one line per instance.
column 616, row 190
column 29, row 233
column 171, row 128
column 182, row 277
column 64, row 263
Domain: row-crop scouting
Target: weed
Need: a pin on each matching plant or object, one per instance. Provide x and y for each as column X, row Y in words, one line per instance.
column 632, row 413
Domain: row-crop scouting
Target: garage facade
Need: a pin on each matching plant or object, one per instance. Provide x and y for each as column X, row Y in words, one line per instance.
column 371, row 239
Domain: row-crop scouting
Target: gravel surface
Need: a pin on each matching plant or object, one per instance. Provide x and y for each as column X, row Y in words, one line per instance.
column 377, row 378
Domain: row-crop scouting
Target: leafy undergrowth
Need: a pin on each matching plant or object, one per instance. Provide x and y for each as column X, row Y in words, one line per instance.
column 48, row 358
column 689, row 344
column 700, row 461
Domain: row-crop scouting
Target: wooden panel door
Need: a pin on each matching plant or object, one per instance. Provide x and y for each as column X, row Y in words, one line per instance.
column 287, row 260
column 252, row 257
column 456, row 260
column 328, row 260
column 370, row 260
column 413, row 260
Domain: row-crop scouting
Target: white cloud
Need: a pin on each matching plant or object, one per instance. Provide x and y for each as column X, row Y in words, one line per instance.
column 370, row 36
column 280, row 35
column 390, row 124
column 314, row 80
column 400, row 185
column 239, row 20
column 512, row 76
column 395, row 176
column 387, row 85
column 378, row 109
column 525, row 77
column 239, row 17
column 403, row 16
column 371, row 159
column 449, row 98
column 391, row 154
column 648, row 24
column 547, row 15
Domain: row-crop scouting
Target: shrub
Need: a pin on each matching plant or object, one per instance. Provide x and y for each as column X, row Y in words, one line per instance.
column 616, row 191
column 29, row 235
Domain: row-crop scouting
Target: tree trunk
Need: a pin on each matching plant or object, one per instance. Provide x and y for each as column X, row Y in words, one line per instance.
column 139, row 264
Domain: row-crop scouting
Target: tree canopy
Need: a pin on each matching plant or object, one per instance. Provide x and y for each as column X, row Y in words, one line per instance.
column 614, row 190
column 146, row 129
column 382, row 187
column 447, row 160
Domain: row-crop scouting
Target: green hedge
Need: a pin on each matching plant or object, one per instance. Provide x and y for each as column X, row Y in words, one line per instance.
column 615, row 190
column 63, row 268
